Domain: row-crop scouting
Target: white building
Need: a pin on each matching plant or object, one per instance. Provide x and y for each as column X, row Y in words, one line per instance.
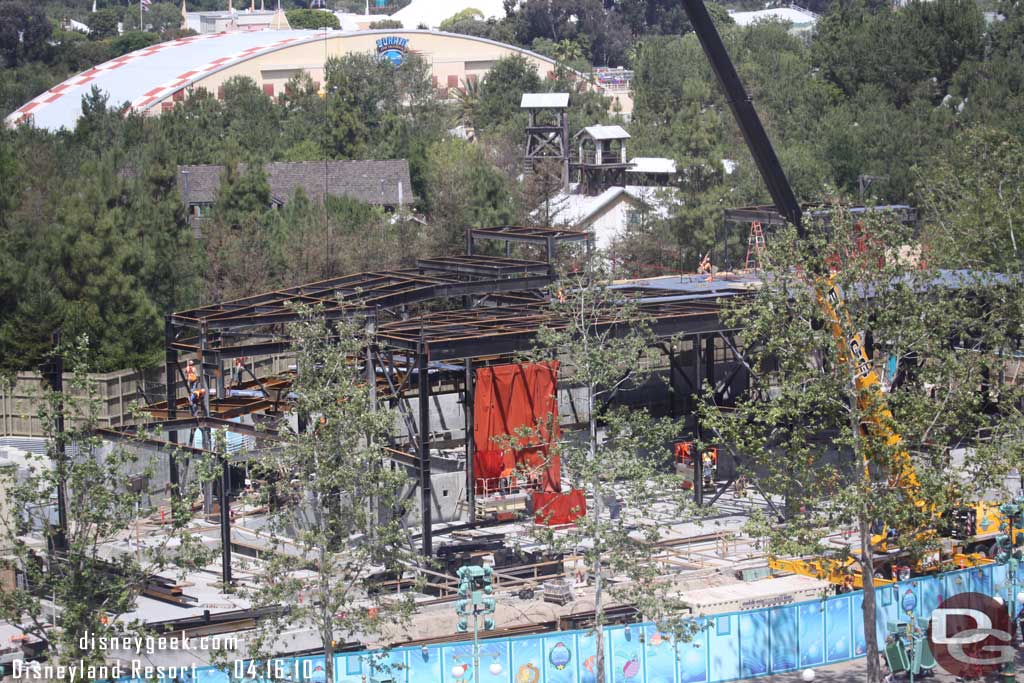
column 430, row 13
column 607, row 215
column 800, row 18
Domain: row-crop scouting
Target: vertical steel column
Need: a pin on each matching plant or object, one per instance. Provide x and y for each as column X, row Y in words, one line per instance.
column 221, row 388
column 205, row 431
column 225, row 519
column 709, row 362
column 671, row 380
column 424, row 437
column 698, row 457
column 468, row 402
column 549, row 247
column 565, row 151
column 371, row 384
column 171, row 391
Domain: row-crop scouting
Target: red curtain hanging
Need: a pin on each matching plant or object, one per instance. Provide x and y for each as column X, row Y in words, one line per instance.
column 508, row 398
column 559, row 508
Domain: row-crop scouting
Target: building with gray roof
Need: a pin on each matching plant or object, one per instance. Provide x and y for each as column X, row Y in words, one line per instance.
column 379, row 183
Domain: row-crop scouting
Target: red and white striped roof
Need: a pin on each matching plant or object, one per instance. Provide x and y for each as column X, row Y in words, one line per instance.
column 146, row 77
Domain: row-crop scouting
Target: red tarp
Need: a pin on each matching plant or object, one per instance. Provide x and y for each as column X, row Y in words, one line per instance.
column 558, row 508
column 510, row 397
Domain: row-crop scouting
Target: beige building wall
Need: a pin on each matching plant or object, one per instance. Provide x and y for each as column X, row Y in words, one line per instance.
column 452, row 60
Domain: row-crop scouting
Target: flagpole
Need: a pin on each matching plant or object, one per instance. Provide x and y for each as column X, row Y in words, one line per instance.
column 140, row 16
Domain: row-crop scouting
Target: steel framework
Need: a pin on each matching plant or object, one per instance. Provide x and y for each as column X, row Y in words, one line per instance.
column 417, row 351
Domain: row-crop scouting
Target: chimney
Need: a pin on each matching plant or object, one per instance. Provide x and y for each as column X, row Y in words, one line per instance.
column 399, row 194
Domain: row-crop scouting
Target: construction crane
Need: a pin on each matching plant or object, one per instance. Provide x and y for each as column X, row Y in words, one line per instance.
column 870, row 392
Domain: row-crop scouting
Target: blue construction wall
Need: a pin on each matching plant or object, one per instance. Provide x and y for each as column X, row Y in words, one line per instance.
column 728, row 647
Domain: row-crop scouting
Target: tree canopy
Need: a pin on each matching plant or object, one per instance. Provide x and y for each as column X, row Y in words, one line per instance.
column 838, row 103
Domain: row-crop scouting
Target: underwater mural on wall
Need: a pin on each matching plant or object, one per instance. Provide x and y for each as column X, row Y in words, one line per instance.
column 724, row 648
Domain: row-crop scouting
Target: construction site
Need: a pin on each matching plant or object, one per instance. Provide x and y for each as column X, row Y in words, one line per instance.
column 446, row 362
column 445, row 359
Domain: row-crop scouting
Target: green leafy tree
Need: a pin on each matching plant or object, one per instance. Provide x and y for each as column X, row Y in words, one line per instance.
column 502, row 90
column 375, row 109
column 386, row 24
column 622, row 459
column 329, row 482
column 84, row 581
column 163, row 18
column 130, row 41
column 103, row 23
column 470, row 14
column 237, row 252
column 464, row 189
column 312, row 18
column 973, row 198
column 168, row 252
column 816, row 430
column 24, row 30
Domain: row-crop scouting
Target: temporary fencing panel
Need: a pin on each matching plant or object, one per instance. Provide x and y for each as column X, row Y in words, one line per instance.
column 509, row 398
column 727, row 647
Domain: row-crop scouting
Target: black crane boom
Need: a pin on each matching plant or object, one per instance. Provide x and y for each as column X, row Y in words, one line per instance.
column 746, row 116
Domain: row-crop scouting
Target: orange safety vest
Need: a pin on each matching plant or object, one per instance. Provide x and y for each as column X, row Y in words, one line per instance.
column 190, row 374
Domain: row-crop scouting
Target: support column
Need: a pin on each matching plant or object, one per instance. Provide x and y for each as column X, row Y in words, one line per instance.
column 370, row 371
column 225, row 520
column 698, row 458
column 698, row 477
column 53, row 373
column 207, row 440
column 221, row 384
column 671, row 380
column 424, row 454
column 709, row 362
column 468, row 402
column 171, row 391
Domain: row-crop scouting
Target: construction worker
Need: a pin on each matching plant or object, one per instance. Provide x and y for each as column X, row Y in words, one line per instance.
column 236, row 372
column 710, row 465
column 195, row 398
column 191, row 376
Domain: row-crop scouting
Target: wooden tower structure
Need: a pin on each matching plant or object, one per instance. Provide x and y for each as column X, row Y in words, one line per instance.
column 601, row 158
column 547, row 137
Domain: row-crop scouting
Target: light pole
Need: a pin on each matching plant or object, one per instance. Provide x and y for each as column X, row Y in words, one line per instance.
column 475, row 588
column 1009, row 553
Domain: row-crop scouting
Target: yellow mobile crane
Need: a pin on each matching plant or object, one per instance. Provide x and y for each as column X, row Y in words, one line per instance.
column 984, row 520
